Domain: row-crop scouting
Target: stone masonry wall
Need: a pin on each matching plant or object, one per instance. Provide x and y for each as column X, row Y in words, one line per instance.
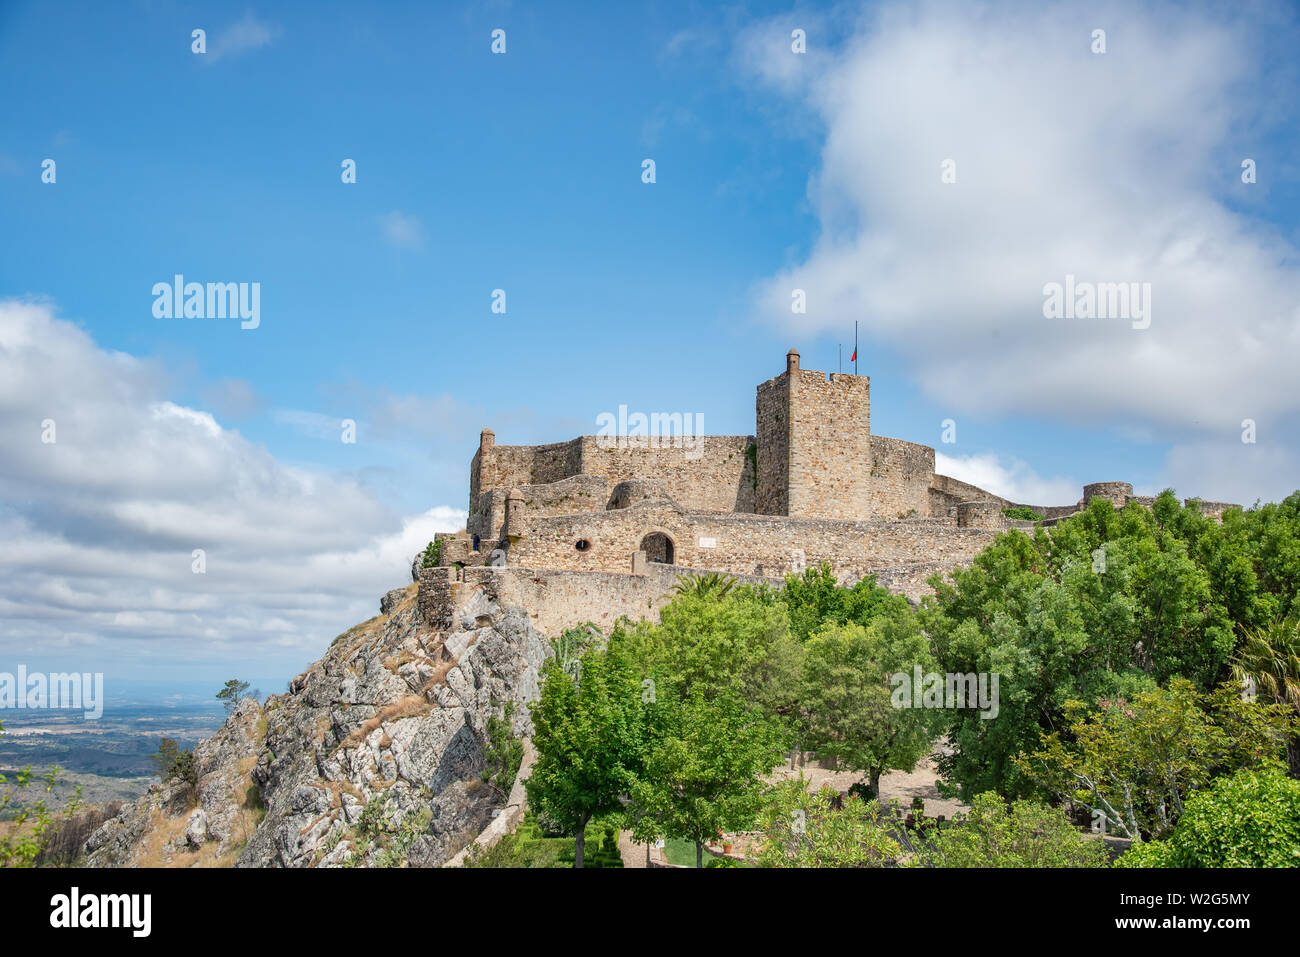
column 901, row 475
column 503, row 466
column 711, row 473
column 554, row 600
column 578, row 493
column 772, row 434
column 830, row 446
column 764, row 546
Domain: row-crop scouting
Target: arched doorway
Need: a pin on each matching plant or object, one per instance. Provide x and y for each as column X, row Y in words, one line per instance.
column 658, row 547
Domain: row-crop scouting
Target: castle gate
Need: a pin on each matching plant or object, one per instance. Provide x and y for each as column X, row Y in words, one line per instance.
column 658, row 547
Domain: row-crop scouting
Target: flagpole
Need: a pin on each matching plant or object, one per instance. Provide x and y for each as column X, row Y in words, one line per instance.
column 841, row 358
column 855, row 347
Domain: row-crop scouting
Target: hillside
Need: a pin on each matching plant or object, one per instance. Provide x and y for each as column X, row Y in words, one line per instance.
column 374, row 757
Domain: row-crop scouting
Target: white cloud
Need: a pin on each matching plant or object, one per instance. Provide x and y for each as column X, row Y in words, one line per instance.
column 1010, row 478
column 245, row 34
column 1111, row 168
column 402, row 230
column 99, row 526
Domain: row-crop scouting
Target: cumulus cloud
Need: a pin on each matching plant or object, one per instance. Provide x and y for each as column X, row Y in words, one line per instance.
column 1114, row 167
column 100, row 524
column 244, row 35
column 1009, row 477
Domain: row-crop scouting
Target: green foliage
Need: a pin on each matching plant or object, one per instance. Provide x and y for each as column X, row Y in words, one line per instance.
column 846, row 695
column 712, row 585
column 502, row 751
column 29, row 826
column 1251, row 819
column 588, row 741
column 530, row 846
column 177, row 766
column 379, row 828
column 233, row 692
column 1023, row 512
column 802, row 829
column 704, row 759
column 432, row 554
column 814, row 599
column 1269, row 659
column 1165, row 599
column 998, row 834
column 740, row 642
column 1137, row 761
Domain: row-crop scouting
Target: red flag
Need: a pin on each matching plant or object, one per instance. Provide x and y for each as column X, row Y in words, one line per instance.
column 854, row 357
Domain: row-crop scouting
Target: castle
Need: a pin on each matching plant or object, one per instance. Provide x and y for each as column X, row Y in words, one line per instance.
column 601, row 526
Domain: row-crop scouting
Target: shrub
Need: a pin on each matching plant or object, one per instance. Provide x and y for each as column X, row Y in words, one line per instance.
column 1023, row 512
column 1020, row 834
column 177, row 765
column 1251, row 819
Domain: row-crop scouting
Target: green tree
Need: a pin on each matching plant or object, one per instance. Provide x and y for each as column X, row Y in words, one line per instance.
column 802, row 829
column 233, row 692
column 847, row 695
column 739, row 642
column 1135, row 762
column 588, row 740
column 1269, row 658
column 1019, row 834
column 1251, row 819
column 177, row 765
column 705, row 756
column 1104, row 605
column 432, row 554
column 814, row 599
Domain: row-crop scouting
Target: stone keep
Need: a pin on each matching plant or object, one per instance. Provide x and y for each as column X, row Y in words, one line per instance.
column 814, row 444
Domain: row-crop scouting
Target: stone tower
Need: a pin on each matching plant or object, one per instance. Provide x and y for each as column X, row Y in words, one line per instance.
column 814, row 444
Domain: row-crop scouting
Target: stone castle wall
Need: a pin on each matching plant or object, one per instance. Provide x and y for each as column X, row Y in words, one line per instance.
column 758, row 545
column 772, row 436
column 812, row 485
column 573, row 494
column 901, row 476
column 555, row 600
column 711, row 472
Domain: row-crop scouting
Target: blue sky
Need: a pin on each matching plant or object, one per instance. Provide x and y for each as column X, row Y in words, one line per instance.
column 522, row 171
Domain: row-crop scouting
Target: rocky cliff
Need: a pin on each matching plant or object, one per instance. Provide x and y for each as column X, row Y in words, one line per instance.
column 374, row 757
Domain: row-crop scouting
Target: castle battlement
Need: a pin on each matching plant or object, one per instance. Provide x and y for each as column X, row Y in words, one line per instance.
column 811, row 485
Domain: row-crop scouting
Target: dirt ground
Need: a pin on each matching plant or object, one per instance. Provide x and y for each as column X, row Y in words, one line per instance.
column 895, row 786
